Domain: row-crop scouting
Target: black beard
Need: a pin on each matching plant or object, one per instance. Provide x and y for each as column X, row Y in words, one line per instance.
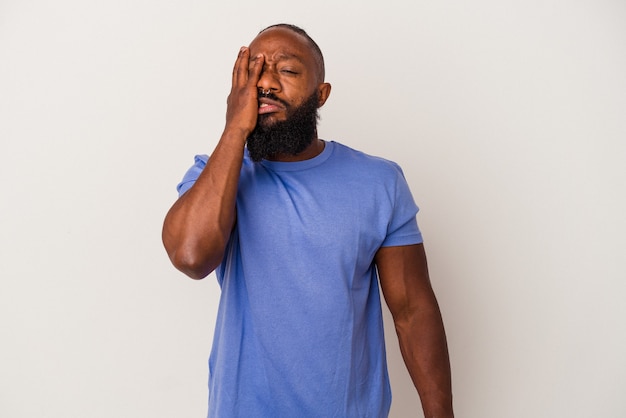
column 288, row 137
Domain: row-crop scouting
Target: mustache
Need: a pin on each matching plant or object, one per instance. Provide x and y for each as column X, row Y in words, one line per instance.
column 272, row 96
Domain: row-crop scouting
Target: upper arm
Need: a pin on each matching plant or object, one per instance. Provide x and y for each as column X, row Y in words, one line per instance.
column 404, row 280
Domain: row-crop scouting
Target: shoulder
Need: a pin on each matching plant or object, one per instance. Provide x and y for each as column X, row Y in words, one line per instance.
column 200, row 160
column 363, row 162
column 190, row 177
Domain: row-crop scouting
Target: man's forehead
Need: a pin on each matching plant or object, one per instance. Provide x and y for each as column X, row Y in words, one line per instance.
column 281, row 43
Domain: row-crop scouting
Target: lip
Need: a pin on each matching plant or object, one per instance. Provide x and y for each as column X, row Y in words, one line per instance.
column 269, row 106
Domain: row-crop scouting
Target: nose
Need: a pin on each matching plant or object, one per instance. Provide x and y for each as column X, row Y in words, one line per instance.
column 268, row 81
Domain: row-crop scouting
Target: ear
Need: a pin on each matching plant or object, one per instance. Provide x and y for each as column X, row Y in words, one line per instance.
column 323, row 91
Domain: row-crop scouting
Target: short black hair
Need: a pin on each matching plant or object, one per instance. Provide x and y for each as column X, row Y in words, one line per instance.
column 319, row 57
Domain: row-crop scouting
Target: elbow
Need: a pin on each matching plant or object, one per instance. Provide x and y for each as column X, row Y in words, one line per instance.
column 194, row 259
column 193, row 265
column 403, row 320
column 196, row 255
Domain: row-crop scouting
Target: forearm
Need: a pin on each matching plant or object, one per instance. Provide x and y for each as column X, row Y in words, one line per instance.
column 197, row 227
column 424, row 349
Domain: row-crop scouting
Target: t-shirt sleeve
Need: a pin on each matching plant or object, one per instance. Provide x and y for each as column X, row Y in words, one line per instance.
column 192, row 174
column 402, row 228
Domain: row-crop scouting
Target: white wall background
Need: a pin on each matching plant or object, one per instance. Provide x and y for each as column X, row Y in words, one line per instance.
column 507, row 116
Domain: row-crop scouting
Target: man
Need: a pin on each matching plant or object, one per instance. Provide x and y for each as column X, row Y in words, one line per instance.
column 297, row 229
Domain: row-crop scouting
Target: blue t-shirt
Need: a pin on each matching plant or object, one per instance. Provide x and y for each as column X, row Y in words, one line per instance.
column 299, row 328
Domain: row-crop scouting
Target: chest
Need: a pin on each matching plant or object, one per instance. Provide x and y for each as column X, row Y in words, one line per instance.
column 324, row 212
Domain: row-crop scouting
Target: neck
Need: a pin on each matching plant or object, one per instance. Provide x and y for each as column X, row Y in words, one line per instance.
column 314, row 149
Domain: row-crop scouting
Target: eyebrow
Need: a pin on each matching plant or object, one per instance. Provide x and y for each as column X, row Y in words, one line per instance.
column 283, row 56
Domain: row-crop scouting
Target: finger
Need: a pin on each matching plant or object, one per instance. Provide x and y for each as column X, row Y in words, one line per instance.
column 254, row 73
column 240, row 70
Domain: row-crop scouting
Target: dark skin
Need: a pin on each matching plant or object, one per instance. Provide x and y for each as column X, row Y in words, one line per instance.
column 197, row 227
